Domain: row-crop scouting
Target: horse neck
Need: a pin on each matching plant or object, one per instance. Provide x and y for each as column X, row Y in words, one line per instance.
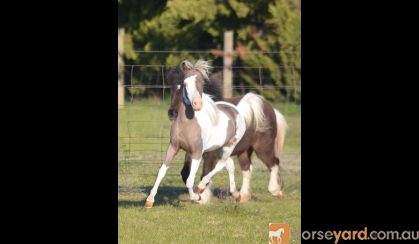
column 210, row 108
column 182, row 115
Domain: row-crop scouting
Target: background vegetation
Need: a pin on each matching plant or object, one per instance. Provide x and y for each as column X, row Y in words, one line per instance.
column 266, row 34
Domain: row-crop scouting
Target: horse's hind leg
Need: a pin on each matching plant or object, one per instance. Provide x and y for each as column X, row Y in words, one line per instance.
column 268, row 157
column 227, row 162
column 210, row 158
column 206, row 179
column 246, row 167
column 230, row 170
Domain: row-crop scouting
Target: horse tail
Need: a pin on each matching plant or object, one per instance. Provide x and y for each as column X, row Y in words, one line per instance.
column 281, row 131
column 251, row 108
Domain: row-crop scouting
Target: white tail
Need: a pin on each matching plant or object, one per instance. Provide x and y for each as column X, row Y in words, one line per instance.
column 251, row 108
column 281, row 130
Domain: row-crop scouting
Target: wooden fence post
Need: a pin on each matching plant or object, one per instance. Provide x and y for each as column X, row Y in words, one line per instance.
column 121, row 90
column 228, row 62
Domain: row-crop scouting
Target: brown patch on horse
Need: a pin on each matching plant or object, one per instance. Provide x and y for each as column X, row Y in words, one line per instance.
column 231, row 129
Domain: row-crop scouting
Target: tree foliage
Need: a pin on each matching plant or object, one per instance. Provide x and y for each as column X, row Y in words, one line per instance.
column 259, row 25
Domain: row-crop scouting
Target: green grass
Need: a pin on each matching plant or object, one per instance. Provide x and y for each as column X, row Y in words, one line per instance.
column 143, row 138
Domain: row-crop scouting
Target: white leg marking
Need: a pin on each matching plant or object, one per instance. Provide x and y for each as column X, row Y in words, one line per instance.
column 170, row 154
column 274, row 186
column 245, row 189
column 191, row 179
column 247, row 174
column 218, row 167
column 230, row 170
column 161, row 174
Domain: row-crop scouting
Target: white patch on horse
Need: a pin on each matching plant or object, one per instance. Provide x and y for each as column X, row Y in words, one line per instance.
column 240, row 125
column 210, row 107
column 190, row 84
column 212, row 135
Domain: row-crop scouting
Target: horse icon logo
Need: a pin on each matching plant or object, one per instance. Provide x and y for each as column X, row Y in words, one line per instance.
column 279, row 233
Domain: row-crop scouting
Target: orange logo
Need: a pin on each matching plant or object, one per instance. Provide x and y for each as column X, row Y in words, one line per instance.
column 279, row 233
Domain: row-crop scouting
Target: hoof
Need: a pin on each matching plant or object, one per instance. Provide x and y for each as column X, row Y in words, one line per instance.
column 278, row 194
column 205, row 196
column 200, row 190
column 245, row 198
column 237, row 196
column 199, row 198
column 148, row 204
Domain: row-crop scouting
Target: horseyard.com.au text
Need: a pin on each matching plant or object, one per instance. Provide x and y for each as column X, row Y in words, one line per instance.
column 364, row 234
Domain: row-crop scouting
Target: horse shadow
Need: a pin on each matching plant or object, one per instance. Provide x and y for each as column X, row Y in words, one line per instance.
column 166, row 195
column 169, row 195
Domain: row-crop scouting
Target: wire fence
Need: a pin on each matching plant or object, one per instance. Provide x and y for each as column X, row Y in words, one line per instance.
column 147, row 79
column 144, row 126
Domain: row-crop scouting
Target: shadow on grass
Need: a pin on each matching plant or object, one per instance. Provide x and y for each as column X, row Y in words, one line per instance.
column 168, row 195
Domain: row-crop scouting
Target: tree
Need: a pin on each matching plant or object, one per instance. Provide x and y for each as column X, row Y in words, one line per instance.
column 261, row 25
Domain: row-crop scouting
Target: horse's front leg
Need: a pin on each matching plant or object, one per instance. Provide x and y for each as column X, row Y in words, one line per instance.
column 191, row 179
column 170, row 154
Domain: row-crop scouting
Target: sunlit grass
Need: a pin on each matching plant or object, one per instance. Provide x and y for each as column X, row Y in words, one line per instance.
column 143, row 132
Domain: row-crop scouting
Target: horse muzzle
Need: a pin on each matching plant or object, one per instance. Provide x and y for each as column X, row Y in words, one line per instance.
column 197, row 104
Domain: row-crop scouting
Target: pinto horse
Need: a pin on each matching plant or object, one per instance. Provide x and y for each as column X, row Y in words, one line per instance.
column 203, row 125
column 267, row 143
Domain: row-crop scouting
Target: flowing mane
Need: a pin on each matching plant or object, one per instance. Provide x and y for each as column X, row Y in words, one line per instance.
column 203, row 67
column 212, row 84
column 210, row 108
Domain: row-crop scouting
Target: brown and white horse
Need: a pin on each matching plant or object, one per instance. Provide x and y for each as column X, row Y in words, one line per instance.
column 267, row 141
column 203, row 125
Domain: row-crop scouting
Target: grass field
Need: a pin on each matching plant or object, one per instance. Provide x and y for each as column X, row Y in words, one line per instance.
column 143, row 131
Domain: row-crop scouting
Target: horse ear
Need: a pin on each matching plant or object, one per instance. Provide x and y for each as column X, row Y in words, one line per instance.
column 186, row 65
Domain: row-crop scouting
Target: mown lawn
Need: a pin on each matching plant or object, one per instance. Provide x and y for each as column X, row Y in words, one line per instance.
column 143, row 138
